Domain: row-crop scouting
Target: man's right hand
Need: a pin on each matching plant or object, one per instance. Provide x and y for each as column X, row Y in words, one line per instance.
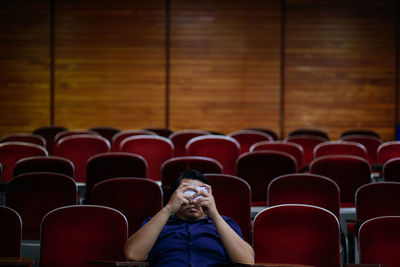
column 179, row 198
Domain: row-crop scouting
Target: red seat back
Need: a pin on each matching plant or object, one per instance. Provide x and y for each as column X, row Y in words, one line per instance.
column 180, row 138
column 74, row 235
column 247, row 138
column 387, row 151
column 10, row 232
column 297, row 234
column 120, row 136
column 308, row 143
column 44, row 164
column 371, row 143
column 340, row 148
column 49, row 132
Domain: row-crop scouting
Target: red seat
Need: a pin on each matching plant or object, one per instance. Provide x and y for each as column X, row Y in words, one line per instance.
column 34, row 194
column 154, row 149
column 260, row 167
column 164, row 132
column 11, row 152
column 79, row 148
column 180, row 138
column 379, row 241
column 120, row 136
column 309, row 131
column 136, row 198
column 24, row 137
column 340, row 148
column 308, row 142
column 297, row 234
column 271, row 132
column 349, row 172
column 172, row 168
column 10, row 232
column 391, row 170
column 74, row 235
column 387, row 151
column 238, row 208
column 106, row 131
column 292, row 149
column 371, row 143
column 49, row 133
column 44, row 164
column 361, row 132
column 112, row 165
column 247, row 138
column 72, row 132
column 305, row 188
column 224, row 149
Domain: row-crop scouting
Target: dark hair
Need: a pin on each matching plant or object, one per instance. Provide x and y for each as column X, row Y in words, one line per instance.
column 189, row 174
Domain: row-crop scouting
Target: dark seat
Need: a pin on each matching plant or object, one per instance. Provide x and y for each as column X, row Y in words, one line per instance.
column 25, row 137
column 108, row 165
column 136, row 198
column 360, row 132
column 11, row 152
column 164, row 132
column 271, row 132
column 44, row 164
column 309, row 131
column 34, row 194
column 106, row 131
column 74, row 235
column 247, row 138
column 391, row 170
column 180, row 138
column 259, row 168
column 10, row 232
column 297, row 234
column 49, row 132
column 121, row 135
column 340, row 148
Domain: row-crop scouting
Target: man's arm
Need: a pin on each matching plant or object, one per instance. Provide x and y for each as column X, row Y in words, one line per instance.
column 140, row 243
column 239, row 251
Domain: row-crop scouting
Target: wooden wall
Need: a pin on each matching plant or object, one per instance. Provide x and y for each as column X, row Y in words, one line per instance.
column 218, row 65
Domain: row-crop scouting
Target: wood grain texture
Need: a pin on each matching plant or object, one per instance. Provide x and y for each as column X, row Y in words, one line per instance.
column 340, row 62
column 24, row 65
column 110, row 63
column 225, row 64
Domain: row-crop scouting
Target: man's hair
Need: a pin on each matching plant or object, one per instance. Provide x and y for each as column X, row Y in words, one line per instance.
column 189, row 174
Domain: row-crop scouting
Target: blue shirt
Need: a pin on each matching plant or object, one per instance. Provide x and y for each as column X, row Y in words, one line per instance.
column 190, row 244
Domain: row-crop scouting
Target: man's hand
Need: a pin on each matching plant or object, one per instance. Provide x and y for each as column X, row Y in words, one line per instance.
column 179, row 198
column 207, row 202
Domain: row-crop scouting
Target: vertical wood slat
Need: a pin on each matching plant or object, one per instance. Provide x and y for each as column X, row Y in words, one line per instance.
column 24, row 65
column 340, row 67
column 110, row 63
column 224, row 64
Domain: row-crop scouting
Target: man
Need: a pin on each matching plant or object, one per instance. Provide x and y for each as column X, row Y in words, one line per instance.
column 189, row 231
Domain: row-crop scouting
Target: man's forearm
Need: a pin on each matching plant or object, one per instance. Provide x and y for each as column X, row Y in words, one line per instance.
column 239, row 251
column 139, row 244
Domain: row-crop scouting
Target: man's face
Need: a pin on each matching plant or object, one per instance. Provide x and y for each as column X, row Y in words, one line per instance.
column 189, row 211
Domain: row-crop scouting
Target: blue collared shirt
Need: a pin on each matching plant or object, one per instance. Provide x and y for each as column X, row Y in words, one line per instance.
column 190, row 244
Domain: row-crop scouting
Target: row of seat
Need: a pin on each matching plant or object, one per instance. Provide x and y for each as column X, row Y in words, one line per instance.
column 290, row 234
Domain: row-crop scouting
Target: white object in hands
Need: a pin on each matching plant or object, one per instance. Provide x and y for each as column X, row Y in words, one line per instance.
column 192, row 192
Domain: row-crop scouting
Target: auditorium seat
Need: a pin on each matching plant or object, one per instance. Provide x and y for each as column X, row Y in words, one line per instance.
column 69, row 132
column 391, row 170
column 271, row 132
column 24, row 137
column 371, row 143
column 106, row 131
column 309, row 131
column 34, row 194
column 292, row 149
column 154, row 149
column 49, row 132
column 172, row 168
column 259, row 168
column 108, row 165
column 379, row 241
column 136, row 198
column 44, row 164
column 233, row 199
column 10, row 232
column 164, row 132
column 297, row 234
column 180, row 138
column 79, row 148
column 75, row 235
column 120, row 136
column 387, row 151
column 247, row 138
column 349, row 172
column 11, row 152
column 361, row 132
column 308, row 142
column 340, row 148
column 224, row 149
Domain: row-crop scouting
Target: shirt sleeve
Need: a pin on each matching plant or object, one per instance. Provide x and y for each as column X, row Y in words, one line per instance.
column 233, row 225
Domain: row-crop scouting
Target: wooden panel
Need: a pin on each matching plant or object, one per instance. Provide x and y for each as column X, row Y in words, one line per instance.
column 110, row 63
column 24, row 65
column 340, row 67
column 225, row 67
